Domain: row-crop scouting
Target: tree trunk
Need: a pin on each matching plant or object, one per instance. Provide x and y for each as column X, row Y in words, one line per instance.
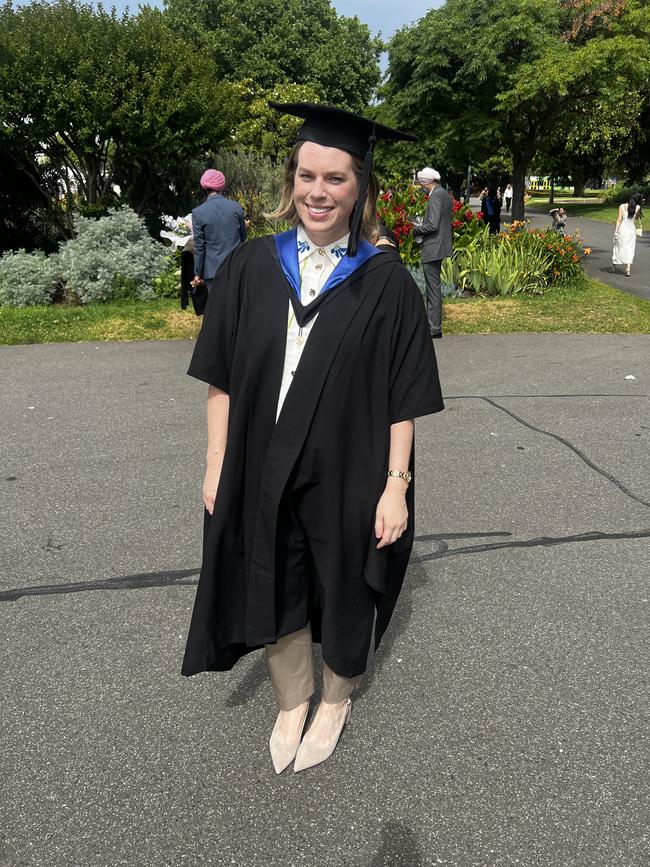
column 519, row 168
column 579, row 182
column 551, row 195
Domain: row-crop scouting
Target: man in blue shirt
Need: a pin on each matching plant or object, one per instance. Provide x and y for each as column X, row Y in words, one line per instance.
column 218, row 226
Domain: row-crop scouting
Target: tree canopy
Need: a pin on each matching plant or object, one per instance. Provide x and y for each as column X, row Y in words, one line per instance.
column 279, row 42
column 477, row 73
column 88, row 100
column 91, row 101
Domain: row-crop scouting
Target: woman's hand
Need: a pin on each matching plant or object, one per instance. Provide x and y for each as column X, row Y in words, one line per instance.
column 211, row 483
column 392, row 514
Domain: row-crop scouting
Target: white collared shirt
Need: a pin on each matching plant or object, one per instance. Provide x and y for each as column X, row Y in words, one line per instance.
column 315, row 264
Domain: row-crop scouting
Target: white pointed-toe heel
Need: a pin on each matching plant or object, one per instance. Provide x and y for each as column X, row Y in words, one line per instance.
column 310, row 754
column 283, row 750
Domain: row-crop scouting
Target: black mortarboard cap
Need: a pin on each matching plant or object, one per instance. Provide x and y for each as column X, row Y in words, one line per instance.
column 335, row 128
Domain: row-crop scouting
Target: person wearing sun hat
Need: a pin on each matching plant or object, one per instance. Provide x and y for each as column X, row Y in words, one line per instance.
column 218, row 225
column 317, row 354
column 435, row 235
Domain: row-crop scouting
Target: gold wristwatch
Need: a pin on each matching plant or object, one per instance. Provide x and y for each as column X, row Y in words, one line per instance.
column 405, row 477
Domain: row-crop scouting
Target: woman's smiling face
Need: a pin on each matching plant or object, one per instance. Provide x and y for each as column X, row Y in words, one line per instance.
column 324, row 191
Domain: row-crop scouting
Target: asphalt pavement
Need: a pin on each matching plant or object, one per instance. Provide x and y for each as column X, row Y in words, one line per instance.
column 504, row 720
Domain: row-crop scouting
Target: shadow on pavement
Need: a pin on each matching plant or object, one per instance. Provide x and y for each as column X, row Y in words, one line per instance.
column 399, row 845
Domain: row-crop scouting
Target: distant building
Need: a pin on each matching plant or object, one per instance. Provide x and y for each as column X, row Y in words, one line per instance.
column 536, row 182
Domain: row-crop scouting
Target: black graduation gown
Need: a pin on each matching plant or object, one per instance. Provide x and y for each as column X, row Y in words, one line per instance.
column 369, row 362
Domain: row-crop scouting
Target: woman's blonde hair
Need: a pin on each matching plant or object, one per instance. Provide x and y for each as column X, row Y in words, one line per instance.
column 286, row 210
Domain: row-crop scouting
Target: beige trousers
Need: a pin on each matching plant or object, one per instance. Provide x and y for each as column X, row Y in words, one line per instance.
column 291, row 664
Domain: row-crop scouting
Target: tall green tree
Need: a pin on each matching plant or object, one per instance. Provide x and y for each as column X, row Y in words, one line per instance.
column 475, row 74
column 280, row 42
column 89, row 100
column 593, row 142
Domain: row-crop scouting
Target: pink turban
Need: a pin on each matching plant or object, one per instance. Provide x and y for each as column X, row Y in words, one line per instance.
column 213, row 180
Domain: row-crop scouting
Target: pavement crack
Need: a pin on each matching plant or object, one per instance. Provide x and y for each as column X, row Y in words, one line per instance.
column 565, row 442
column 140, row 581
column 542, row 396
column 431, row 537
column 540, row 542
column 181, row 577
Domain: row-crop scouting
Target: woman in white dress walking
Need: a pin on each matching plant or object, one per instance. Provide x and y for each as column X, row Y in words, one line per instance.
column 625, row 233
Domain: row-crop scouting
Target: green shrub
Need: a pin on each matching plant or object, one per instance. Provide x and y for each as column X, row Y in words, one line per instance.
column 448, row 288
column 27, row 278
column 111, row 257
column 563, row 252
column 168, row 283
column 519, row 261
column 397, row 207
column 400, row 204
column 620, row 193
column 255, row 181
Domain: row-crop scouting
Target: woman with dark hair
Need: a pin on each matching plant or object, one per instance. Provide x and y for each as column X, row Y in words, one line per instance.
column 384, row 239
column 317, row 353
column 628, row 222
column 492, row 211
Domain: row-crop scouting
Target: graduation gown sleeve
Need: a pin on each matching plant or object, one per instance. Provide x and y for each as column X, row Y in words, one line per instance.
column 213, row 354
column 414, row 384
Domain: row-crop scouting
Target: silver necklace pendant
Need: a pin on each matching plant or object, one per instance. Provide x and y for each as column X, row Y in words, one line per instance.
column 300, row 339
column 312, row 292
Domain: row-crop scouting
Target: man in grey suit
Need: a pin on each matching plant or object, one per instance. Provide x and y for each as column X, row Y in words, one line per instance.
column 435, row 235
column 218, row 226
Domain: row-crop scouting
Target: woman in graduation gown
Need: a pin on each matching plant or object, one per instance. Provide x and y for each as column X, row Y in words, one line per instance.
column 317, row 353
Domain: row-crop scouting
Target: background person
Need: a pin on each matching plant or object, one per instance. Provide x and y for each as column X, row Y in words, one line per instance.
column 437, row 243
column 627, row 221
column 507, row 197
column 317, row 354
column 384, row 239
column 492, row 211
column 559, row 218
column 218, row 226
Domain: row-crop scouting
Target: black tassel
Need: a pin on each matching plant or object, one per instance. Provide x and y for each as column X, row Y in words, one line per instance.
column 364, row 180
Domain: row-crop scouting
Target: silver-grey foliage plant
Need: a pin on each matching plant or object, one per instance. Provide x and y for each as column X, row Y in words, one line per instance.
column 27, row 278
column 105, row 252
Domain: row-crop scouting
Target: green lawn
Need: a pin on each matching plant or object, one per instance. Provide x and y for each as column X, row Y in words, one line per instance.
column 161, row 319
column 591, row 307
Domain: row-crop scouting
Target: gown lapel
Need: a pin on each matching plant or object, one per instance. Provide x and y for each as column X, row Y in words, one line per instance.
column 287, row 257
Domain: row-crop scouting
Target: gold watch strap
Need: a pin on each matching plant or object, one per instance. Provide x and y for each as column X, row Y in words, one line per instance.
column 404, row 475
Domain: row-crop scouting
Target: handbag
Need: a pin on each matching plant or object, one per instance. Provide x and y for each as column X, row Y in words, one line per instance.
column 199, row 296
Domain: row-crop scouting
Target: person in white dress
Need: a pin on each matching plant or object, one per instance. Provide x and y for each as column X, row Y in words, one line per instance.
column 629, row 217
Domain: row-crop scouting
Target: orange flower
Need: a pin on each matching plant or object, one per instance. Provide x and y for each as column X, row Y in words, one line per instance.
column 587, row 251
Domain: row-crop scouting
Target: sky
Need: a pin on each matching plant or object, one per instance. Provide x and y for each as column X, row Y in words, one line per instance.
column 386, row 16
